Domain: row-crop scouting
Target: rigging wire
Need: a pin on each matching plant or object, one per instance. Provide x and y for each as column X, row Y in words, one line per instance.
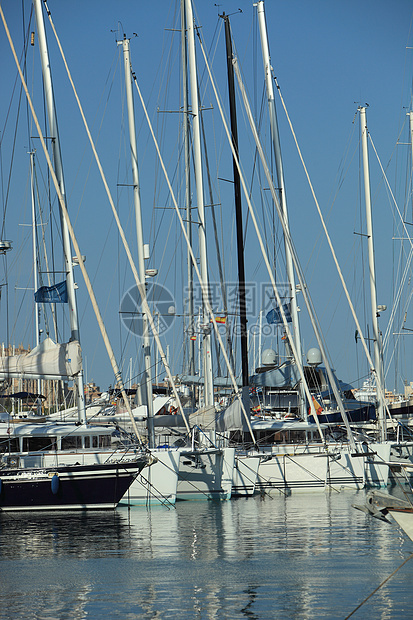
column 379, row 586
column 384, row 177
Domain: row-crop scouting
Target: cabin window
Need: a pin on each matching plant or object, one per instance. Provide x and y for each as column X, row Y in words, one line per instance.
column 94, row 441
column 71, row 442
column 10, row 445
column 104, row 441
column 87, row 441
column 35, row 444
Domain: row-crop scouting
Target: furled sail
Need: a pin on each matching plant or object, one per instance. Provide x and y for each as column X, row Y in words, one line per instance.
column 46, row 361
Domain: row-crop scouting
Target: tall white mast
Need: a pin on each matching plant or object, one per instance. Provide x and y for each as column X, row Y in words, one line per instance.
column 35, row 279
column 34, row 245
column 378, row 352
column 300, row 275
column 57, row 164
column 195, row 112
column 139, row 235
column 281, row 186
column 410, row 114
column 188, row 203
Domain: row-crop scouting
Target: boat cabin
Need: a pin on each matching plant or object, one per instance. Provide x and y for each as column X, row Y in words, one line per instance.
column 26, row 438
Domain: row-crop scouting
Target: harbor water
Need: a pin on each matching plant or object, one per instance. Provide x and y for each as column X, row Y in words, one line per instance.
column 297, row 557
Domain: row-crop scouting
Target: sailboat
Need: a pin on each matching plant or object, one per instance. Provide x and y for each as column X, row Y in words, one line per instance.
column 205, row 469
column 205, row 472
column 160, row 484
column 47, row 474
column 291, row 465
column 55, row 466
column 400, row 447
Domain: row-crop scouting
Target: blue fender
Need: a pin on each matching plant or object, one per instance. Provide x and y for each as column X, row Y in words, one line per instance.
column 55, row 483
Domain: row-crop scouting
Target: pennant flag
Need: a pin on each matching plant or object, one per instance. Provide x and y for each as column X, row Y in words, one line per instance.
column 274, row 315
column 193, row 338
column 56, row 294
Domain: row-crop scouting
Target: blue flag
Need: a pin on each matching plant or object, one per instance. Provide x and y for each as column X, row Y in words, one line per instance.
column 56, row 294
column 274, row 315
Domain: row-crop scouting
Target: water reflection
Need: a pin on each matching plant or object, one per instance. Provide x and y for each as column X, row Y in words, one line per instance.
column 303, row 556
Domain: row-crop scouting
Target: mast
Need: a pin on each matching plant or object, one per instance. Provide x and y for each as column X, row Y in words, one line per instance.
column 300, row 275
column 195, row 112
column 411, row 131
column 281, row 185
column 378, row 352
column 35, row 280
column 238, row 208
column 188, row 205
column 58, row 168
column 148, row 399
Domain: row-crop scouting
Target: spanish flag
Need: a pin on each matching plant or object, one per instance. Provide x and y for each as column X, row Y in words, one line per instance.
column 220, row 319
column 318, row 408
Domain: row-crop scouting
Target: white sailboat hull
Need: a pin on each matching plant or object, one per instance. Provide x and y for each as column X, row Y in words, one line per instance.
column 157, row 485
column 245, row 475
column 377, row 469
column 404, row 518
column 309, row 469
column 206, row 474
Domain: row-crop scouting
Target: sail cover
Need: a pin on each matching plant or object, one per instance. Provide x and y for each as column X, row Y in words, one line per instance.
column 46, row 361
column 233, row 418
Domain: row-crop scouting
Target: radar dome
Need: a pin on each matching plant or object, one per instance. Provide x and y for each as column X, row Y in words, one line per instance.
column 314, row 357
column 269, row 357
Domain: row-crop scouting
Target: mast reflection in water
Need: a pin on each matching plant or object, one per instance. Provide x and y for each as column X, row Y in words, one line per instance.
column 303, row 556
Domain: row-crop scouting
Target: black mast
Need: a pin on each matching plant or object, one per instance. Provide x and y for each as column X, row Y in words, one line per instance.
column 238, row 207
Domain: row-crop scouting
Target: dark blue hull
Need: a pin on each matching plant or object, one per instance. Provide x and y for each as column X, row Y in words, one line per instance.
column 74, row 487
column 355, row 413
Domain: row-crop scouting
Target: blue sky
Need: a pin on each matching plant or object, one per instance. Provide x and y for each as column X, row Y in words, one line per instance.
column 328, row 57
